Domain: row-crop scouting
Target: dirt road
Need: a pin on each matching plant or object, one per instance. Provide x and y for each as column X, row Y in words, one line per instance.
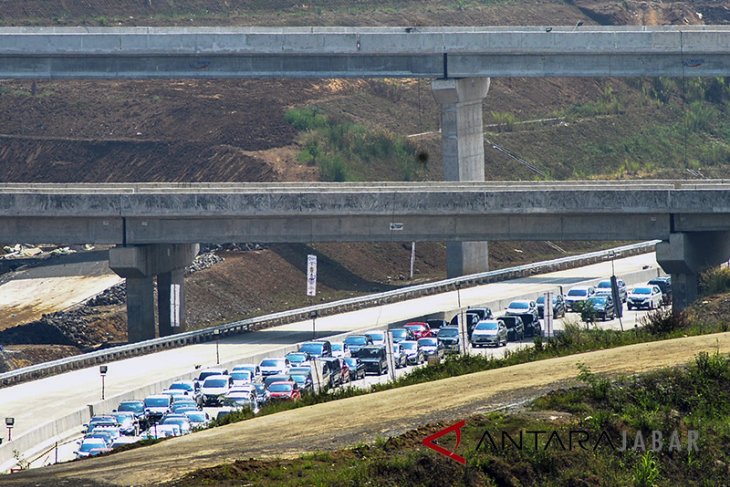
column 342, row 423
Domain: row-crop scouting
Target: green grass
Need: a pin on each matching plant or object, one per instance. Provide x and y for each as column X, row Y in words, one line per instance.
column 694, row 397
column 346, row 151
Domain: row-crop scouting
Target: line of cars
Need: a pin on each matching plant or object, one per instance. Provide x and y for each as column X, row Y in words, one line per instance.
column 178, row 410
column 599, row 299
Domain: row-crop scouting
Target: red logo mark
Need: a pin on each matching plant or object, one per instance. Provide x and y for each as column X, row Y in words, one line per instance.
column 429, row 442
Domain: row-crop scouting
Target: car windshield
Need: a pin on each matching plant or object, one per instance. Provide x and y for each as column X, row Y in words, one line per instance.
column 486, row 326
column 134, row 407
column 369, row 353
column 642, row 290
column 272, row 363
column 519, row 305
column 88, row 445
column 260, row 388
column 312, row 348
column 156, row 402
column 243, row 375
column 205, row 375
column 604, row 284
column 399, row 332
column 351, row 362
column 216, row 383
column 598, row 300
column 415, row 327
column 300, row 379
column 300, row 371
column 196, row 417
column 337, row 347
column 181, row 386
column 356, row 340
column 448, row 332
column 428, row 342
column 121, row 418
column 377, row 337
column 250, row 368
column 280, row 388
column 298, row 357
column 409, row 345
column 577, row 292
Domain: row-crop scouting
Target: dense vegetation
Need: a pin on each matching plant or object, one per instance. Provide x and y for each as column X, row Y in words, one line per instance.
column 695, row 398
column 346, row 151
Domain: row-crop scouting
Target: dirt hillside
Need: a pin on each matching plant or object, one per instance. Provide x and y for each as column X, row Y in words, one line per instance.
column 235, row 130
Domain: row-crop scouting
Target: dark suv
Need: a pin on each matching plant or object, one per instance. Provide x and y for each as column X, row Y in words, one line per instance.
column 374, row 358
column 558, row 306
column 665, row 285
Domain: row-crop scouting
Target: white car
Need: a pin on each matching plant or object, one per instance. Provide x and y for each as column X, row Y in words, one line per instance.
column 648, row 296
column 340, row 349
column 521, row 306
column 273, row 366
column 241, row 377
column 377, row 336
column 255, row 370
column 90, row 447
column 576, row 295
column 214, row 388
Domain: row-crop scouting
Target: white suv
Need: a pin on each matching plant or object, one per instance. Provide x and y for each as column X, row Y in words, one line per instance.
column 576, row 295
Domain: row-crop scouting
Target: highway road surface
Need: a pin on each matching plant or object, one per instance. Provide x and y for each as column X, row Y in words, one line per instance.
column 41, row 401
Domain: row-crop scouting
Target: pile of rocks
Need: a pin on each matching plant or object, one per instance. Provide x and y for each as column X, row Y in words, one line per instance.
column 238, row 247
column 114, row 295
column 203, row 261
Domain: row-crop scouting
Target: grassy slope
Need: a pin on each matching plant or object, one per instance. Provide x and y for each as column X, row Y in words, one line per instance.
column 681, row 399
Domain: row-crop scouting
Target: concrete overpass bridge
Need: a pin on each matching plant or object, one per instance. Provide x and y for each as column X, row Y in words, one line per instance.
column 461, row 59
column 157, row 226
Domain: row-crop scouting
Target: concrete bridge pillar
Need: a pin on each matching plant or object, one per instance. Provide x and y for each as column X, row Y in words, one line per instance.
column 139, row 265
column 685, row 255
column 462, row 142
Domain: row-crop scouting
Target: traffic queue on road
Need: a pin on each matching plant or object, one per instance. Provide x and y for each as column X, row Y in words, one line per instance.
column 320, row 365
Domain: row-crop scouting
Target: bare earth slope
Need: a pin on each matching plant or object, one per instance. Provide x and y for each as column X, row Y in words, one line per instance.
column 362, row 418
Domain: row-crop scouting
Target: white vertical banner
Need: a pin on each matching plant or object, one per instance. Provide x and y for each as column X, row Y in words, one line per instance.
column 174, row 305
column 311, row 275
column 548, row 314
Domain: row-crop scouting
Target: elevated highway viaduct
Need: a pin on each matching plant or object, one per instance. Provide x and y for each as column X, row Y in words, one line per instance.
column 156, row 227
column 461, row 60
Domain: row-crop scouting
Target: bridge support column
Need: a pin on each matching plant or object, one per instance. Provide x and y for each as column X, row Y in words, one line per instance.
column 685, row 255
column 139, row 265
column 462, row 142
column 140, row 309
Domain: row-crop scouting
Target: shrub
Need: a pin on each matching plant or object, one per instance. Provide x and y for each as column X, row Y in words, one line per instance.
column 715, row 281
column 663, row 321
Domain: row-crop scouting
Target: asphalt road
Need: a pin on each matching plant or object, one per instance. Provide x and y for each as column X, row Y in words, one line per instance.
column 37, row 402
column 65, row 451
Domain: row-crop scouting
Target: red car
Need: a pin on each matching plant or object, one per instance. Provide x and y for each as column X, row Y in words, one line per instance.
column 420, row 329
column 284, row 391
